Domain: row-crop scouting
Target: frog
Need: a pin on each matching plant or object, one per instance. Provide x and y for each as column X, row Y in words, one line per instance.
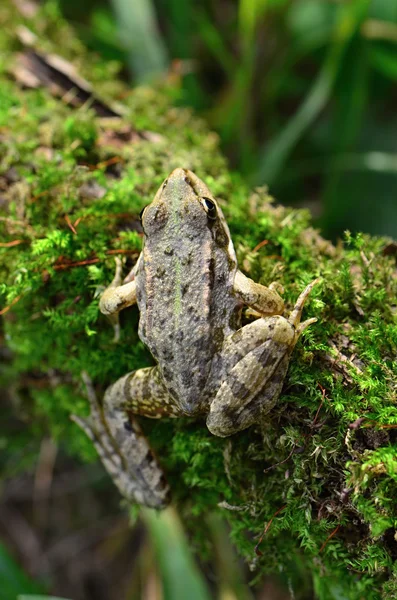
column 190, row 295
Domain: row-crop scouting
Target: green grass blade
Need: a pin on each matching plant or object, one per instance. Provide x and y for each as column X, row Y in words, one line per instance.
column 277, row 151
column 215, row 42
column 180, row 576
column 13, row 580
column 384, row 60
column 179, row 18
column 40, row 597
column 147, row 55
column 349, row 108
column 377, row 162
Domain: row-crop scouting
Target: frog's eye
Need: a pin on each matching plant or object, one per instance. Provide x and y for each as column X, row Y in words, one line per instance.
column 141, row 214
column 210, row 208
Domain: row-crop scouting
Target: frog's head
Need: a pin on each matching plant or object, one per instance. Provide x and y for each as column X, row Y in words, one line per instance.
column 184, row 206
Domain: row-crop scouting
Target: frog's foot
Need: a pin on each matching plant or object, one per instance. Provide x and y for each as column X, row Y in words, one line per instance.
column 275, row 287
column 265, row 301
column 134, row 470
column 296, row 314
column 118, row 296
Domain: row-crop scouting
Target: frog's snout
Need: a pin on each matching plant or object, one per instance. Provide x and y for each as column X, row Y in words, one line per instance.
column 178, row 174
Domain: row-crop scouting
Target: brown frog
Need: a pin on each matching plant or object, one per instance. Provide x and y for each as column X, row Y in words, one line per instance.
column 190, row 294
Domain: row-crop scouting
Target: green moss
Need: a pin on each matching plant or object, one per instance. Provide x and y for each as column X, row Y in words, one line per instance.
column 319, row 483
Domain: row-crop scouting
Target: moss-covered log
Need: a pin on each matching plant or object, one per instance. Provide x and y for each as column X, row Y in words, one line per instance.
column 312, row 494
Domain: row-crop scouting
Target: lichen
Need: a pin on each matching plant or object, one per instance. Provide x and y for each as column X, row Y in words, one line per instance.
column 314, row 487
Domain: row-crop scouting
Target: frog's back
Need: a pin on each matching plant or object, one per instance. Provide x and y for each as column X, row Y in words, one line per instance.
column 185, row 286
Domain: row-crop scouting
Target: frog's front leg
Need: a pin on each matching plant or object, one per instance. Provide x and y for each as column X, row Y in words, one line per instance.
column 118, row 439
column 254, row 362
column 264, row 300
column 117, row 295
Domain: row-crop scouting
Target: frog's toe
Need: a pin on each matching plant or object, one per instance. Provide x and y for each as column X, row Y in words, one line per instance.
column 296, row 313
column 305, row 325
column 85, row 425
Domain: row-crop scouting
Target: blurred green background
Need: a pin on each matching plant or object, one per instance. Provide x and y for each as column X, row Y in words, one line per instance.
column 301, row 92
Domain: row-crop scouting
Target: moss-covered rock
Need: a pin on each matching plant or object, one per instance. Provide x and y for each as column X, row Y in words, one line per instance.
column 312, row 494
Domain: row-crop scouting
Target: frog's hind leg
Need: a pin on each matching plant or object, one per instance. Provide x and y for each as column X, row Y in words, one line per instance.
column 254, row 368
column 254, row 365
column 118, row 439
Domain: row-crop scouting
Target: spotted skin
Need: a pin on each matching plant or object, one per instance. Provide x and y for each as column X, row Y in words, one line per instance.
column 190, row 294
column 124, row 450
column 256, row 364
